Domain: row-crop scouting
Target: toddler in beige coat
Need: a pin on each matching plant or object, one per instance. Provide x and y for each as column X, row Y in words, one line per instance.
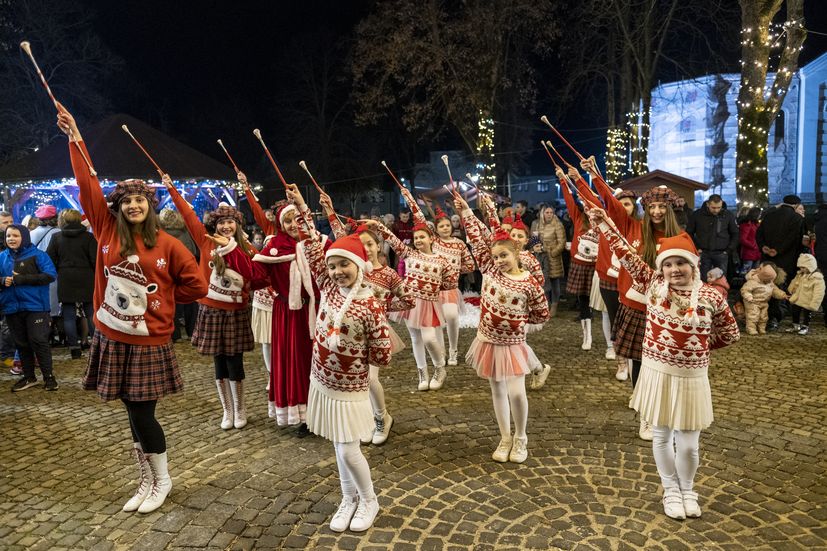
column 760, row 287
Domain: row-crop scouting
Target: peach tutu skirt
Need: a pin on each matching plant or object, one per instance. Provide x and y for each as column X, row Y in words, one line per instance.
column 452, row 296
column 425, row 313
column 498, row 361
column 397, row 344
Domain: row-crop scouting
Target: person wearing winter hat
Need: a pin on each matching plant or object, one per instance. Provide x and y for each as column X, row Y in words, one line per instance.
column 510, row 299
column 685, row 320
column 390, row 289
column 42, row 235
column 762, row 284
column 223, row 327
column 351, row 334
column 140, row 273
column 25, row 274
column 807, row 290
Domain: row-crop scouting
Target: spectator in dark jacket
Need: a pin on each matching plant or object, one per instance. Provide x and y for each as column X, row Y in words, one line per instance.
column 820, row 249
column 528, row 216
column 25, row 274
column 715, row 233
column 779, row 237
column 73, row 252
column 185, row 314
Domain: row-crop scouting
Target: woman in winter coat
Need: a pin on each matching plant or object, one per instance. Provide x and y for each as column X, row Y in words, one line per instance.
column 553, row 235
column 73, row 252
column 25, row 274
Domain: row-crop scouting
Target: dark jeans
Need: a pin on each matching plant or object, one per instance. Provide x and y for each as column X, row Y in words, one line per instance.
column 70, row 324
column 713, row 259
column 188, row 313
column 6, row 340
column 553, row 294
column 31, row 334
column 145, row 428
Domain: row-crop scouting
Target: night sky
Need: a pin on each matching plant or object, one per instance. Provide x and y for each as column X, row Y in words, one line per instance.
column 186, row 61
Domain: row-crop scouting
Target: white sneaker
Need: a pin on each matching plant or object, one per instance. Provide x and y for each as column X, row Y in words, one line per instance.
column 539, row 379
column 503, row 450
column 586, row 325
column 383, row 428
column 610, row 353
column 804, row 330
column 367, row 439
column 690, row 504
column 341, row 519
column 365, row 514
column 673, row 503
column 423, row 378
column 645, row 431
column 519, row 451
column 622, row 370
column 438, row 379
column 452, row 357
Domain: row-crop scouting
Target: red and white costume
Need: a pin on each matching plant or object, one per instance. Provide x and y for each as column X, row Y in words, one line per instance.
column 294, row 318
column 507, row 304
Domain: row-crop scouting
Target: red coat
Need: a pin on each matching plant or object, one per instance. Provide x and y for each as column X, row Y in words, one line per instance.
column 749, row 247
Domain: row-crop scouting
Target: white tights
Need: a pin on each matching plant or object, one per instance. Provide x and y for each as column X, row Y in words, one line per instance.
column 354, row 471
column 450, row 312
column 607, row 329
column 377, row 393
column 509, row 395
column 427, row 337
column 266, row 349
column 677, row 462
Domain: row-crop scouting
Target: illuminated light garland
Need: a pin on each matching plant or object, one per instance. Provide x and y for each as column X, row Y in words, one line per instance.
column 615, row 154
column 485, row 153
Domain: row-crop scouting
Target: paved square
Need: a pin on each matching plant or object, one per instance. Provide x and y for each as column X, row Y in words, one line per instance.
column 589, row 483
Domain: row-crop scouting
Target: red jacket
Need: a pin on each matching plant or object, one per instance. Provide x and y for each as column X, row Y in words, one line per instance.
column 749, row 247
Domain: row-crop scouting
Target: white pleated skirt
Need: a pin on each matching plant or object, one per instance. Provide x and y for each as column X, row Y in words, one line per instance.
column 682, row 403
column 595, row 299
column 339, row 420
column 262, row 321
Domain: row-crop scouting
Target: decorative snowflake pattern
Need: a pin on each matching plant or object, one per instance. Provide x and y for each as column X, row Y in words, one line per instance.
column 155, row 304
column 161, row 263
column 105, row 249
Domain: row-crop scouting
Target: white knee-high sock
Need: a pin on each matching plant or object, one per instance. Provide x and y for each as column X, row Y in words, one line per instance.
column 418, row 347
column 499, row 395
column 687, row 456
column 434, row 343
column 607, row 330
column 376, row 392
column 519, row 404
column 451, row 313
column 350, row 455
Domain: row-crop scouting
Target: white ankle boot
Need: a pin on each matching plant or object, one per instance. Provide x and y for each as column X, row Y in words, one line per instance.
column 622, row 373
column 538, row 379
column 645, row 431
column 439, row 378
column 452, row 357
column 161, row 483
column 610, row 353
column 587, row 334
column 224, row 396
column 423, row 378
column 239, row 409
column 144, row 480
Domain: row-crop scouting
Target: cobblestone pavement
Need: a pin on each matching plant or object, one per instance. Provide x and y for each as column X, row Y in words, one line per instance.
column 589, row 483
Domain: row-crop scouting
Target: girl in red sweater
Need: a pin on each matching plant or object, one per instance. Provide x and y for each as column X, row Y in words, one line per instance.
column 140, row 274
column 223, row 329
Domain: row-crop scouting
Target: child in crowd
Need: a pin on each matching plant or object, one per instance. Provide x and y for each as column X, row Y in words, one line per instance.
column 685, row 320
column 762, row 285
column 807, row 290
column 716, row 278
column 351, row 335
column 510, row 299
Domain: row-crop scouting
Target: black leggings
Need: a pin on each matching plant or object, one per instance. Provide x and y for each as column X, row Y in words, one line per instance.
column 229, row 367
column 612, row 302
column 583, row 306
column 145, row 428
column 635, row 372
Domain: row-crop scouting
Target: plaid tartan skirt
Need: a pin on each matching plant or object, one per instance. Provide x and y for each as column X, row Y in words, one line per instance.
column 226, row 332
column 609, row 285
column 629, row 328
column 134, row 372
column 579, row 281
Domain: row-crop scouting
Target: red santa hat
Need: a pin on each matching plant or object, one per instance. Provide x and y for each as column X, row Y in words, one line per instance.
column 283, row 211
column 501, row 235
column 508, row 220
column 44, row 212
column 439, row 214
column 518, row 224
column 422, row 226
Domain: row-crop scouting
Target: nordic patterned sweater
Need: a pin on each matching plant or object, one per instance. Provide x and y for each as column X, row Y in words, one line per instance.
column 343, row 367
column 670, row 344
column 135, row 296
column 425, row 274
column 452, row 249
column 507, row 303
column 527, row 259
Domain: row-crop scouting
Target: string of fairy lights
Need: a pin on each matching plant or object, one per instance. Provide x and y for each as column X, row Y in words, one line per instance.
column 486, row 163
